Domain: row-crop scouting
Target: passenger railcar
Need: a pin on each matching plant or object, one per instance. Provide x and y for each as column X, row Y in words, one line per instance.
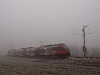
column 12, row 52
column 22, row 52
column 30, row 51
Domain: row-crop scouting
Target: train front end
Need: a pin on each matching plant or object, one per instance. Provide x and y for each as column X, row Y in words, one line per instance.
column 62, row 50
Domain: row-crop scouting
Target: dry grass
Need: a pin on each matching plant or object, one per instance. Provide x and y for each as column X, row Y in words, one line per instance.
column 23, row 66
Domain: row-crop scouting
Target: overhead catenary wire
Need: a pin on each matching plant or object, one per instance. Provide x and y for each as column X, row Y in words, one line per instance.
column 76, row 31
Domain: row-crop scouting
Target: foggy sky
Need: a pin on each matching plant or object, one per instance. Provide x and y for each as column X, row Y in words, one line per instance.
column 24, row 23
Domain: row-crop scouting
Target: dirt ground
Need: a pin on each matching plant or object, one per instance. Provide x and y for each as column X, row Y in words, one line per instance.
column 27, row 66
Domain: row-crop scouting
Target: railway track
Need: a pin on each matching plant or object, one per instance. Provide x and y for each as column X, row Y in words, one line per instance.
column 90, row 61
column 72, row 61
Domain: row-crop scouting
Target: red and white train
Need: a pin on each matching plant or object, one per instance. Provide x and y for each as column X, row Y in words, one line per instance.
column 56, row 50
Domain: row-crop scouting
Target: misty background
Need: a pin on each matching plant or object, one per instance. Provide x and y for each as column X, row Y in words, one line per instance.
column 24, row 23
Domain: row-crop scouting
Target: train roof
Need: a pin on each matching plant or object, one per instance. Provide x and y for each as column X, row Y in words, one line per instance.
column 29, row 47
column 23, row 48
column 54, row 45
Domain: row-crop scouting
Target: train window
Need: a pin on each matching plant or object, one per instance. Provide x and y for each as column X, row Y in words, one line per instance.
column 34, row 50
column 66, row 47
column 45, row 48
column 54, row 48
column 49, row 48
column 61, row 48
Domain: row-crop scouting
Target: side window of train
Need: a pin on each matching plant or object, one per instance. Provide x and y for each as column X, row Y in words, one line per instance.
column 45, row 49
column 54, row 48
column 61, row 48
column 33, row 51
column 49, row 49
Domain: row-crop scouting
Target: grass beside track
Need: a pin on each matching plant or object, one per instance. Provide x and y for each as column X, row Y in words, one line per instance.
column 24, row 66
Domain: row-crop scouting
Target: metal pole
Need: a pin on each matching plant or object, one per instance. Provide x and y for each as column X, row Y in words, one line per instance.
column 84, row 48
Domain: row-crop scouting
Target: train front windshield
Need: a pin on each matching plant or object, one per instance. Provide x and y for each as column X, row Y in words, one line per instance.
column 66, row 48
